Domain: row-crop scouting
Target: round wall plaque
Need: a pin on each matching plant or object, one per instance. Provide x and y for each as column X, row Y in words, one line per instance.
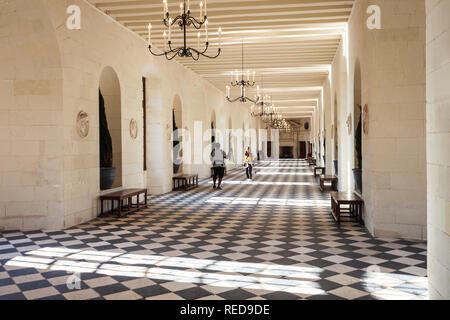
column 83, row 124
column 306, row 126
column 349, row 124
column 133, row 129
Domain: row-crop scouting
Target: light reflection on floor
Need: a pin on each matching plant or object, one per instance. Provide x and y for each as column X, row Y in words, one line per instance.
column 270, row 201
column 291, row 279
column 258, row 276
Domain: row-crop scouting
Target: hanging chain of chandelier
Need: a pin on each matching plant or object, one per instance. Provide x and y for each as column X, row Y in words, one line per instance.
column 243, row 83
column 184, row 21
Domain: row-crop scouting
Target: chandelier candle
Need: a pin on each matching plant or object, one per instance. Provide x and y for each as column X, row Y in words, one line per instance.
column 166, row 9
column 149, row 34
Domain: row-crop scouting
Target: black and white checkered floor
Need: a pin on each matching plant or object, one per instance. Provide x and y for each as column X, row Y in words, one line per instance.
column 273, row 238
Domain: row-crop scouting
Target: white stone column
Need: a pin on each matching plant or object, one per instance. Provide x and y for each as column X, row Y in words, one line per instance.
column 438, row 148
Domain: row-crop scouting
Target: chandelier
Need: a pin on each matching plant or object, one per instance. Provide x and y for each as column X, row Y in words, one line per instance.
column 184, row 21
column 271, row 117
column 243, row 83
column 281, row 124
column 263, row 107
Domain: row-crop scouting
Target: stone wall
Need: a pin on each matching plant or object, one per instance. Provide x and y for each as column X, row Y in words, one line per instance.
column 438, row 147
column 49, row 174
column 392, row 64
column 31, row 108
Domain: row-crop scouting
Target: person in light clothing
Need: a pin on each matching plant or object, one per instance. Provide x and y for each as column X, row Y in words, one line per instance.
column 248, row 163
column 218, row 157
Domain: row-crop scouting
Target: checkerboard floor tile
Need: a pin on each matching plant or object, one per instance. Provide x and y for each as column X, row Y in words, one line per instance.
column 273, row 238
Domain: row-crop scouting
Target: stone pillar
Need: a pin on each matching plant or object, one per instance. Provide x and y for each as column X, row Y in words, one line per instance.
column 438, row 146
column 394, row 153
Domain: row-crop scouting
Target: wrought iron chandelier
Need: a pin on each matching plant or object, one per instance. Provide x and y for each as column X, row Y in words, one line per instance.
column 243, row 83
column 263, row 107
column 281, row 124
column 184, row 20
column 271, row 118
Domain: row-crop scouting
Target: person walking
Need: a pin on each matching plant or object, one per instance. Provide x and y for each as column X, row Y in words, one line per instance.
column 218, row 157
column 248, row 163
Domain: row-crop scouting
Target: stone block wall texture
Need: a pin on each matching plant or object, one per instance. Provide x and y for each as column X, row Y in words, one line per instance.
column 31, row 113
column 49, row 175
column 392, row 62
column 438, row 147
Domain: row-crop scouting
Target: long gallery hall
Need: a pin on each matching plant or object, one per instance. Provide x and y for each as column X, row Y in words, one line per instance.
column 224, row 150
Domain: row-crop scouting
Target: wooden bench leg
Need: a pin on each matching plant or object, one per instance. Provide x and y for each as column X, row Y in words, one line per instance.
column 146, row 201
column 332, row 206
column 338, row 213
column 360, row 214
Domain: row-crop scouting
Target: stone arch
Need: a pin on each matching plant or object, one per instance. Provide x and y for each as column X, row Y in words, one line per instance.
column 231, row 147
column 357, row 125
column 213, row 126
column 177, row 126
column 244, row 138
column 336, row 134
column 110, row 93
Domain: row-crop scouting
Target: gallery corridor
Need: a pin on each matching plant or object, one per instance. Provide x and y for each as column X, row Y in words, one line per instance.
column 273, row 238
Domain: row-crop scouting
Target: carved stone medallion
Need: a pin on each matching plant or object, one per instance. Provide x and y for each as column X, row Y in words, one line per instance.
column 349, row 124
column 83, row 124
column 133, row 129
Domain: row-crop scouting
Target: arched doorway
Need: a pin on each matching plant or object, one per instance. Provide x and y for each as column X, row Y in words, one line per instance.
column 324, row 134
column 357, row 118
column 177, row 125
column 336, row 137
column 244, row 138
column 110, row 130
column 213, row 128
column 230, row 140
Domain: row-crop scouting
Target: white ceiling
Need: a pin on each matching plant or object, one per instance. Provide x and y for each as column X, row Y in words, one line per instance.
column 290, row 42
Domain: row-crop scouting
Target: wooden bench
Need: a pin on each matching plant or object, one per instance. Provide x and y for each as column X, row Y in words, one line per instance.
column 185, row 182
column 321, row 169
column 354, row 205
column 332, row 179
column 312, row 161
column 120, row 197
